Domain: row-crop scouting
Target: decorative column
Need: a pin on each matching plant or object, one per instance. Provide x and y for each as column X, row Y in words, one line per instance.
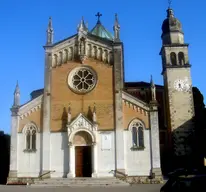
column 154, row 126
column 71, row 172
column 95, row 160
column 14, row 129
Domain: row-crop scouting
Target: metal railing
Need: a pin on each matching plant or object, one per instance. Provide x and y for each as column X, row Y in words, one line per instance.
column 40, row 176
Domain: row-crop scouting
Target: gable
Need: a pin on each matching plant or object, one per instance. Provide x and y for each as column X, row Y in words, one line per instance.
column 134, row 109
column 81, row 122
column 31, row 106
column 133, row 100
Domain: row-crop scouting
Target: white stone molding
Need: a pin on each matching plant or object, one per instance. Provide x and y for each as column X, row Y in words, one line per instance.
column 81, row 123
column 30, row 124
column 135, row 121
column 135, row 101
column 30, row 107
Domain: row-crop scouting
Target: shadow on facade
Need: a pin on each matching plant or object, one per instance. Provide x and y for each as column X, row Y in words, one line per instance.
column 64, row 119
column 194, row 140
column 5, row 157
column 65, row 142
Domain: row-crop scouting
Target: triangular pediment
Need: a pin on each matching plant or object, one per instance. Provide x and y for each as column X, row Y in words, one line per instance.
column 81, row 122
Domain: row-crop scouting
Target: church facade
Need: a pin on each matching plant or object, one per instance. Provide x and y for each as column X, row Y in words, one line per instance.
column 87, row 121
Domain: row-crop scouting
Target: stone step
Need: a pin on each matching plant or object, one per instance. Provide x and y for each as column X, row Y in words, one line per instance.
column 79, row 182
column 85, row 183
column 79, row 185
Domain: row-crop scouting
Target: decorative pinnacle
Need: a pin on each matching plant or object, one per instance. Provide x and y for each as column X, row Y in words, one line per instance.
column 94, row 109
column 98, row 15
column 152, row 82
column 116, row 23
column 69, row 109
column 82, row 26
column 17, row 90
column 50, row 28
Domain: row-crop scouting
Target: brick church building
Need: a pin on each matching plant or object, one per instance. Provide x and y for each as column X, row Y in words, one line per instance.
column 88, row 122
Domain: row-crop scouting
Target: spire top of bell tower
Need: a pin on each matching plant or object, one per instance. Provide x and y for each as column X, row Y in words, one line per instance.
column 169, row 4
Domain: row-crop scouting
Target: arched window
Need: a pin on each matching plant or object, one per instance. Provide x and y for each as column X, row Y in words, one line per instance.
column 137, row 131
column 134, row 136
column 173, row 58
column 140, row 137
column 181, row 58
column 30, row 138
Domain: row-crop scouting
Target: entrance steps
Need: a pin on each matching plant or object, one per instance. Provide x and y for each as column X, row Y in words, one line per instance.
column 80, row 182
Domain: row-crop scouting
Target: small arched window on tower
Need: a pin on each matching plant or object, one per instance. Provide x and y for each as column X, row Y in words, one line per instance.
column 30, row 138
column 181, row 58
column 173, row 58
column 137, row 131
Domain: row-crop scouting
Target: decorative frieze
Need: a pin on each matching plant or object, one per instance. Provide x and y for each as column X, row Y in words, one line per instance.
column 135, row 107
column 31, row 107
column 28, row 113
column 81, row 49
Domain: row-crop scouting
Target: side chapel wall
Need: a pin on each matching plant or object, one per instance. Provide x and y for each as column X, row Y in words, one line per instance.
column 137, row 162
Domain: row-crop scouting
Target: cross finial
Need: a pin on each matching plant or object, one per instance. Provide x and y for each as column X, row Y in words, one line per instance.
column 169, row 3
column 98, row 15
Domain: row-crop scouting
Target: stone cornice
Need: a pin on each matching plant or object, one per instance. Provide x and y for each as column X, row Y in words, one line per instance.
column 135, row 101
column 30, row 107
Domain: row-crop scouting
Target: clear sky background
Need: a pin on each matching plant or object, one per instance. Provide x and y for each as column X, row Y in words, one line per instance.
column 23, row 26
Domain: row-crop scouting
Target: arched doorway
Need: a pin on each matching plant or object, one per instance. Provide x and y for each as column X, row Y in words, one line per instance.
column 82, row 141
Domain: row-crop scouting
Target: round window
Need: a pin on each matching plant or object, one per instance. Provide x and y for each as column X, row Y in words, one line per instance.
column 82, row 80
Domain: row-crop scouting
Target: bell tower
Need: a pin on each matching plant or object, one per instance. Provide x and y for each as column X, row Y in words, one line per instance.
column 177, row 84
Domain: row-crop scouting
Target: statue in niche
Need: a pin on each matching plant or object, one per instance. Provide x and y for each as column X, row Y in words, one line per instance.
column 99, row 54
column 93, row 52
column 89, row 50
column 105, row 56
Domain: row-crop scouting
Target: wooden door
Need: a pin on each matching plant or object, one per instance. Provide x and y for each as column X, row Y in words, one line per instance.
column 83, row 161
column 79, row 161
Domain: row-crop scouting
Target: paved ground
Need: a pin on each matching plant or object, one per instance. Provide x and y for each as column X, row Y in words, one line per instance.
column 134, row 188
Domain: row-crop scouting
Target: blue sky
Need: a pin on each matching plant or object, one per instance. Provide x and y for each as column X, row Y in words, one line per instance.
column 24, row 22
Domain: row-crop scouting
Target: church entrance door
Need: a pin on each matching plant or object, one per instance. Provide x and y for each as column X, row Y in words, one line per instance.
column 83, row 161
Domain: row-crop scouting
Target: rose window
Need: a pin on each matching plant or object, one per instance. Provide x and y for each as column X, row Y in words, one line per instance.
column 82, row 80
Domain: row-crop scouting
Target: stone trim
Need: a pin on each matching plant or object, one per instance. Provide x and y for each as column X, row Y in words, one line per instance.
column 140, row 105
column 32, row 106
column 81, row 123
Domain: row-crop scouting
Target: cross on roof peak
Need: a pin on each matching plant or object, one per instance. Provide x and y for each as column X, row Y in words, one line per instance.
column 98, row 15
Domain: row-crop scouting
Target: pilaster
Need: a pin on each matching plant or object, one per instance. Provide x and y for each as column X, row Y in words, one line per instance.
column 46, row 111
column 119, row 129
column 13, row 141
column 155, row 142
